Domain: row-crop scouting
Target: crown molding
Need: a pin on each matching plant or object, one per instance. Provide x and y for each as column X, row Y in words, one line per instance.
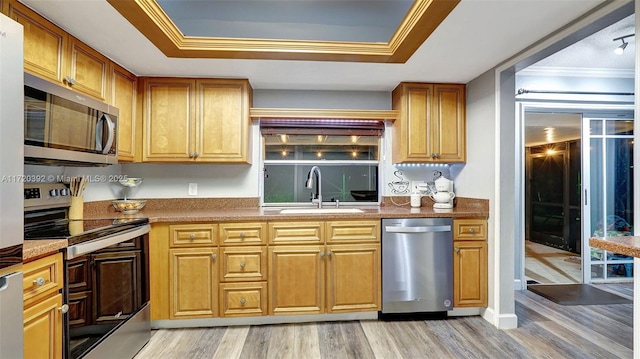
column 421, row 20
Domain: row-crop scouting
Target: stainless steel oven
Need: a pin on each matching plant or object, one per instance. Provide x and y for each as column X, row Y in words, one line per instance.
column 106, row 275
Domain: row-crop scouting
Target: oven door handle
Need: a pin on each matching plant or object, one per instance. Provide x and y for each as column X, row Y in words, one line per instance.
column 101, row 243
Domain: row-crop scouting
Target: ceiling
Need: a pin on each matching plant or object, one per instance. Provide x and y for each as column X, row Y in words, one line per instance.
column 475, row 37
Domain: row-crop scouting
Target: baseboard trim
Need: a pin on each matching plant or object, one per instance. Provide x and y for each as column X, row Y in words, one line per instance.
column 269, row 319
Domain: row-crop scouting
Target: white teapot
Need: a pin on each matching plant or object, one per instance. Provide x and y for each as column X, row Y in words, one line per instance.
column 444, row 185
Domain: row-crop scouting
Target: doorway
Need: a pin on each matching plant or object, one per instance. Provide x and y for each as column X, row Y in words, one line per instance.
column 578, row 184
column 552, row 197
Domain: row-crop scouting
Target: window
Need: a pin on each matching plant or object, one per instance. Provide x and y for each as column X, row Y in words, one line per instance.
column 347, row 153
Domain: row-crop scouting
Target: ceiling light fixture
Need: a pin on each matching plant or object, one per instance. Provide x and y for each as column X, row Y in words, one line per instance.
column 620, row 49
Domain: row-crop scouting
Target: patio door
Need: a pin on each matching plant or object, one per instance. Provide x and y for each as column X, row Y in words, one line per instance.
column 607, row 160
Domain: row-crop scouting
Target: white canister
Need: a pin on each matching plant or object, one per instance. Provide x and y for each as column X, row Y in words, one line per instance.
column 416, row 200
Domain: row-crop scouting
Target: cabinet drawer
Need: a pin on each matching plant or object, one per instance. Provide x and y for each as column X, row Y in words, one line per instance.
column 192, row 235
column 296, row 232
column 243, row 233
column 42, row 277
column 351, row 231
column 243, row 264
column 474, row 229
column 243, row 299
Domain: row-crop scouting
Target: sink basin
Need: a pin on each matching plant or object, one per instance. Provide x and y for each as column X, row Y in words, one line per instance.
column 320, row 210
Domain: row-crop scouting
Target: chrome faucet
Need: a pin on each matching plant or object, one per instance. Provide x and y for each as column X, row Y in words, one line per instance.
column 318, row 196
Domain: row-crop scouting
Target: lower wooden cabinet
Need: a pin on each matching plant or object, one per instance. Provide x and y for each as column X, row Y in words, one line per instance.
column 296, row 279
column 43, row 307
column 353, row 278
column 43, row 329
column 331, row 278
column 470, row 283
column 193, row 282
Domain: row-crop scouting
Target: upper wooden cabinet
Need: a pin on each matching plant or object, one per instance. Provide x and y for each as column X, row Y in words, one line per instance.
column 431, row 123
column 188, row 120
column 51, row 53
column 124, row 89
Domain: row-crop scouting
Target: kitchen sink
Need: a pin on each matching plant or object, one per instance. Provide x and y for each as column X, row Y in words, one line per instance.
column 320, row 210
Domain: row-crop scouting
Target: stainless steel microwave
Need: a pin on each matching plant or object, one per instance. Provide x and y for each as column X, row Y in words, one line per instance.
column 63, row 127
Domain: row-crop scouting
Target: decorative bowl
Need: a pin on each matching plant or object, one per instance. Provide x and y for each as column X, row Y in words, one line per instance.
column 129, row 206
column 131, row 182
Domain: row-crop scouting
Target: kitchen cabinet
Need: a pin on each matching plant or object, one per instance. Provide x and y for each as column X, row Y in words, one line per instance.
column 123, row 96
column 53, row 54
column 43, row 307
column 431, row 125
column 193, row 282
column 308, row 275
column 470, row 283
column 203, row 120
column 193, row 271
column 243, row 273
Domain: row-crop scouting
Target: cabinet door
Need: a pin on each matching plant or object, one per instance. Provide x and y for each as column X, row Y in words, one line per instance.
column 412, row 138
column 448, row 126
column 193, row 283
column 222, row 133
column 168, row 120
column 87, row 70
column 118, row 281
column 124, row 86
column 44, row 43
column 353, row 282
column 296, row 279
column 470, row 274
column 43, row 329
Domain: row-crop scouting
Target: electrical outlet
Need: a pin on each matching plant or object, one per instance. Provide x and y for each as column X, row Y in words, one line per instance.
column 193, row 189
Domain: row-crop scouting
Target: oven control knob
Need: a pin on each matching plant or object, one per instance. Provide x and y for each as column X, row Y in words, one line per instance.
column 64, row 192
column 53, row 192
column 64, row 308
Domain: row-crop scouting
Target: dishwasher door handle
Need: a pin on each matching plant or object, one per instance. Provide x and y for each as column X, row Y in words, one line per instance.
column 423, row 229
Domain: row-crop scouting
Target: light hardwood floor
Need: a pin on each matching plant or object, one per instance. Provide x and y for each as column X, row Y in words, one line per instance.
column 549, row 265
column 545, row 330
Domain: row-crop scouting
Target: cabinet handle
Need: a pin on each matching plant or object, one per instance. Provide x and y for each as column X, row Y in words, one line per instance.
column 242, row 235
column 472, row 230
column 192, row 236
column 64, row 308
column 457, row 249
column 242, row 264
column 243, row 301
column 191, row 155
column 329, row 253
column 39, row 282
column 437, row 155
column 196, row 154
column 321, row 254
column 70, row 80
column 214, row 256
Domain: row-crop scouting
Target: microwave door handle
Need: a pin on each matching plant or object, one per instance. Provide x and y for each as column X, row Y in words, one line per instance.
column 99, row 134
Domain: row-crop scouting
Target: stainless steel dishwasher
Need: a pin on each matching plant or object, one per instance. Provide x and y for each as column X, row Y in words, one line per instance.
column 417, row 265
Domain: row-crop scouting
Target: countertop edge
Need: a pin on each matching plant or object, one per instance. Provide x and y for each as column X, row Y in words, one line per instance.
column 627, row 245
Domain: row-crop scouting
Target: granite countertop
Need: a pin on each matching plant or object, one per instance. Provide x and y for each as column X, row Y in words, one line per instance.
column 627, row 245
column 206, row 210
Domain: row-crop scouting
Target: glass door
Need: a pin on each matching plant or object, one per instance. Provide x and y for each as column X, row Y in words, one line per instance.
column 608, row 194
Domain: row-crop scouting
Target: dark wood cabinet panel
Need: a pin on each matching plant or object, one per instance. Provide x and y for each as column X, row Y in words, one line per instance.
column 79, row 274
column 117, row 284
column 79, row 309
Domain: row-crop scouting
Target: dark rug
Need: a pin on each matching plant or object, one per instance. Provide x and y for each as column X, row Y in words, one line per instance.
column 577, row 294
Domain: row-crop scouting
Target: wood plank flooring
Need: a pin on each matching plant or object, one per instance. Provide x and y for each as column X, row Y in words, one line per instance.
column 545, row 330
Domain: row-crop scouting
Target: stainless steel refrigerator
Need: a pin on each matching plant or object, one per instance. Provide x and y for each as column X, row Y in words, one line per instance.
column 11, row 187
